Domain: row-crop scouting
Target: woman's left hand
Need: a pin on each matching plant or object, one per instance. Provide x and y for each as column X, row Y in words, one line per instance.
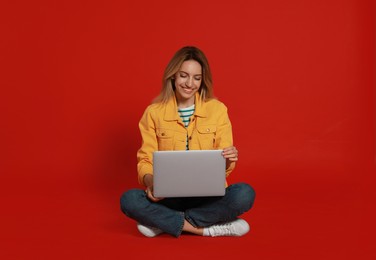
column 230, row 153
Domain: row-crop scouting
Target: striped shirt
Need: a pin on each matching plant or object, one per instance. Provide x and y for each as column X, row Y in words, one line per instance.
column 186, row 114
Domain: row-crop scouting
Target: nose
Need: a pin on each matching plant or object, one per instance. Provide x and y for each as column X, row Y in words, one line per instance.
column 189, row 82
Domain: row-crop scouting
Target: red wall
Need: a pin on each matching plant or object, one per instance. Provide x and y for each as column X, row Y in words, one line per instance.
column 297, row 76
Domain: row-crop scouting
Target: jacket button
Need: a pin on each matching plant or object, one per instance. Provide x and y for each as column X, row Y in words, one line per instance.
column 190, row 138
column 163, row 134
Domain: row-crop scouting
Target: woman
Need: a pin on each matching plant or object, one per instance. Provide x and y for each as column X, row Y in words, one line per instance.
column 178, row 119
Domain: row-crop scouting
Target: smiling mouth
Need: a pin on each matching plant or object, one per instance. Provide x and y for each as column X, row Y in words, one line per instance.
column 187, row 90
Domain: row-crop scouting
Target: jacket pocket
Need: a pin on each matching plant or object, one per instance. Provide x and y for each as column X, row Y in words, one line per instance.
column 165, row 139
column 206, row 135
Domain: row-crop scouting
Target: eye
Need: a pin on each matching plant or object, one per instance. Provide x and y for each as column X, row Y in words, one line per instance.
column 198, row 78
column 182, row 75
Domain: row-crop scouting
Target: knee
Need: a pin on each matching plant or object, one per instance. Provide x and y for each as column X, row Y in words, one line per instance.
column 245, row 195
column 130, row 200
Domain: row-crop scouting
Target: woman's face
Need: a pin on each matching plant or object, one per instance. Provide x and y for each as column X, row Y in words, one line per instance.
column 187, row 83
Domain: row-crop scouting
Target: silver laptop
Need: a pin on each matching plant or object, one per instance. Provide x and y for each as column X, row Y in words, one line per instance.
column 193, row 173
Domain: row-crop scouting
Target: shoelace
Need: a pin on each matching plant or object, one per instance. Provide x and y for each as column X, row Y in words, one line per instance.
column 224, row 229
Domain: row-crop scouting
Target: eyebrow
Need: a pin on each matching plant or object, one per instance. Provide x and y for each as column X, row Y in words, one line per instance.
column 188, row 73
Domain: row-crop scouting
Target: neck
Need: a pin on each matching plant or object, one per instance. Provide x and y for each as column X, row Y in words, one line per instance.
column 185, row 103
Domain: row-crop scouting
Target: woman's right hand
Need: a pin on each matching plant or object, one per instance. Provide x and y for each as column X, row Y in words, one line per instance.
column 149, row 193
column 148, row 181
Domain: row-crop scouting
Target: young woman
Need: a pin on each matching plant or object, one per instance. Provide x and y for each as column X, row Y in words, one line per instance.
column 185, row 116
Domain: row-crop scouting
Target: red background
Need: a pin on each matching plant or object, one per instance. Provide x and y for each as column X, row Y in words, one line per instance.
column 298, row 78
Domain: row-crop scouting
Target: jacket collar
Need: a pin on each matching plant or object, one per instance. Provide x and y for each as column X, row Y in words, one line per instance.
column 171, row 112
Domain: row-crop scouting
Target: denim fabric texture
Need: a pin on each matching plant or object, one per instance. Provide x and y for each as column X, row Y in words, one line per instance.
column 169, row 213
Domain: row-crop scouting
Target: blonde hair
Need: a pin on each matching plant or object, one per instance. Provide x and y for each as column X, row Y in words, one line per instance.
column 184, row 54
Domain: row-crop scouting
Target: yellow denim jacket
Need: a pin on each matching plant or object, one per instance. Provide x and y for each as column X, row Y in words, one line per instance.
column 162, row 129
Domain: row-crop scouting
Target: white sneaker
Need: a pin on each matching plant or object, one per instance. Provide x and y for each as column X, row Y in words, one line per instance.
column 148, row 231
column 238, row 227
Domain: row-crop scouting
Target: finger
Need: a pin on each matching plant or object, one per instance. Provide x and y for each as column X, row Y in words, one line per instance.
column 231, row 154
column 226, row 149
column 230, row 150
column 233, row 159
column 150, row 195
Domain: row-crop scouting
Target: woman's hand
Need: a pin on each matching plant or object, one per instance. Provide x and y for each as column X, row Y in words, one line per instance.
column 231, row 155
column 149, row 193
column 148, row 181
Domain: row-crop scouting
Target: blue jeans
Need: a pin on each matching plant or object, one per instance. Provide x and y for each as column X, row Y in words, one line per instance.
column 169, row 214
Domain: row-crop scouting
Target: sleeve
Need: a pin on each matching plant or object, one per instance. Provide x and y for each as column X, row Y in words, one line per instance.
column 148, row 146
column 224, row 134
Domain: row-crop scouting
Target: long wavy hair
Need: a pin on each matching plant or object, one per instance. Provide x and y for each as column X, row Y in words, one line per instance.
column 168, row 82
